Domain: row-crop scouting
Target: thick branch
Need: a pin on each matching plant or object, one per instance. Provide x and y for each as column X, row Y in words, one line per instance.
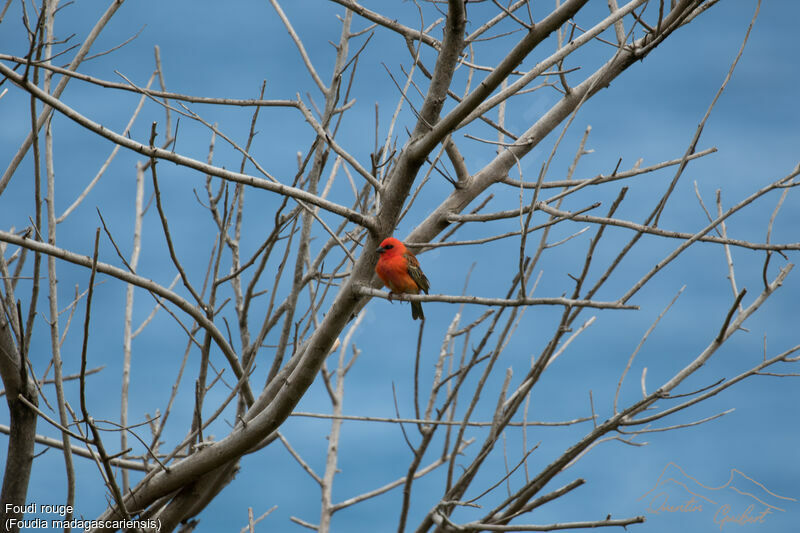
column 535, row 36
column 22, row 433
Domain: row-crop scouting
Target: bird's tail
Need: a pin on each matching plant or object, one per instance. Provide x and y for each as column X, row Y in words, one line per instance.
column 416, row 311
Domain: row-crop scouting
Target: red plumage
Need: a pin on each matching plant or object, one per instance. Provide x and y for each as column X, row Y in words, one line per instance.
column 400, row 271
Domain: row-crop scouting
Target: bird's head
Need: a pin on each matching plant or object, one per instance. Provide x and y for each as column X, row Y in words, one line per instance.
column 391, row 246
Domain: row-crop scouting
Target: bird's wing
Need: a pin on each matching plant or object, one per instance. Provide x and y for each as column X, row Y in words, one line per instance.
column 416, row 273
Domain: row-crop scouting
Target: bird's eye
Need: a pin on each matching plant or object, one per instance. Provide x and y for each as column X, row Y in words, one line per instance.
column 389, row 246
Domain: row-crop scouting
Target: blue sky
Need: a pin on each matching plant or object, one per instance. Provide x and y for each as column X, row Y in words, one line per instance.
column 649, row 112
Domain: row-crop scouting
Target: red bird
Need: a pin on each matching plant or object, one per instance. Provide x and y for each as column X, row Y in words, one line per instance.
column 399, row 270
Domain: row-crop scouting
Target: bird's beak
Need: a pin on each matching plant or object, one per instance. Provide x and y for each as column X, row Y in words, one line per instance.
column 380, row 249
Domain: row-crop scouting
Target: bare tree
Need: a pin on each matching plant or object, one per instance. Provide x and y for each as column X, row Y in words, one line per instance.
column 273, row 309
